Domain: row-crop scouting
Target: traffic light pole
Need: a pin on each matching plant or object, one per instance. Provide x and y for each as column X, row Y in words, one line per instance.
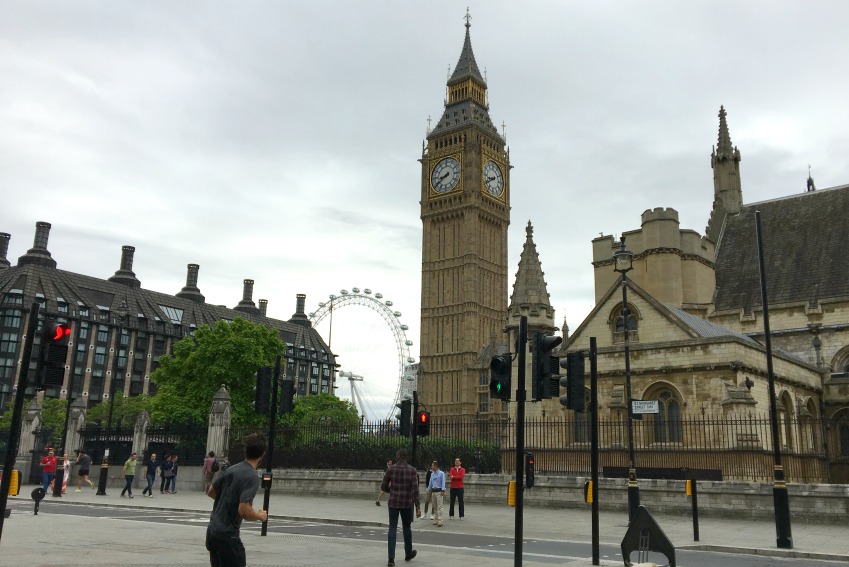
column 594, row 445
column 521, row 394
column 17, row 412
column 269, row 454
column 415, row 428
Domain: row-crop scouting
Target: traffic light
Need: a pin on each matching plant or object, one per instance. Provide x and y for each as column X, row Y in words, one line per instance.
column 423, row 423
column 573, row 381
column 500, row 374
column 529, row 470
column 544, row 378
column 54, row 352
column 287, row 396
column 405, row 416
column 262, row 390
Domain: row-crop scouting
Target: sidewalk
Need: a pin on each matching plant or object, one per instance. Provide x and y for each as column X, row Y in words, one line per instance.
column 25, row 535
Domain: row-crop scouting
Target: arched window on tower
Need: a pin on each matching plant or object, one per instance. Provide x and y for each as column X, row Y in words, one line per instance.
column 617, row 321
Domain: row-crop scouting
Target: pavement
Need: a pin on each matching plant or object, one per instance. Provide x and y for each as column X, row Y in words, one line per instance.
column 71, row 540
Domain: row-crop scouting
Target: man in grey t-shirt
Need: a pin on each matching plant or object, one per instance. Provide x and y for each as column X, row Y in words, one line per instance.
column 234, row 492
column 82, row 475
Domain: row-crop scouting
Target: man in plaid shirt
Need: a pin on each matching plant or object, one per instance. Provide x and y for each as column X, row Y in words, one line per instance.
column 404, row 494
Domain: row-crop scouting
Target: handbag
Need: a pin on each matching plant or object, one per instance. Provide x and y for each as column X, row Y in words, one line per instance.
column 169, row 473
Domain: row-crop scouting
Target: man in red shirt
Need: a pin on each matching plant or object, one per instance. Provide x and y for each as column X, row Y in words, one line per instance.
column 457, row 474
column 403, row 481
column 48, row 469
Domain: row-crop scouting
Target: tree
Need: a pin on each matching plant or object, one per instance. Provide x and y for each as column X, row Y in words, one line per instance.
column 228, row 353
column 124, row 410
column 321, row 409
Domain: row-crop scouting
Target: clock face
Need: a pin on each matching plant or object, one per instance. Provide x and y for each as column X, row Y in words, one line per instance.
column 446, row 175
column 493, row 179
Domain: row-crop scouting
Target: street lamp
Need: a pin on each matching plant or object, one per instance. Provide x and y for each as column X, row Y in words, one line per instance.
column 121, row 312
column 623, row 260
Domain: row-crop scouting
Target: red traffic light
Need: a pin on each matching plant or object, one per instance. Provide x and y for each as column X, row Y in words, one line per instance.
column 58, row 332
column 423, row 423
column 423, row 417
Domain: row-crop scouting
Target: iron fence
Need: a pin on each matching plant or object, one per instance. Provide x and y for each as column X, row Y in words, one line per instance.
column 95, row 441
column 187, row 441
column 739, row 447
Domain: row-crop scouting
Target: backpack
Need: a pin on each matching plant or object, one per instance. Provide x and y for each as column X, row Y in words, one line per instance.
column 215, row 466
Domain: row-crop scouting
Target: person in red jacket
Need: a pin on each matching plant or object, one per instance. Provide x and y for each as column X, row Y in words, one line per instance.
column 457, row 474
column 48, row 469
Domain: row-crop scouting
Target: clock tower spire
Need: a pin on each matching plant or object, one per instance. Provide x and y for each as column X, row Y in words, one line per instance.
column 465, row 212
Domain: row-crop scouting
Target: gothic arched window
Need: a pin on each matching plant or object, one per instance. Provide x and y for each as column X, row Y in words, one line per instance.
column 618, row 319
column 667, row 423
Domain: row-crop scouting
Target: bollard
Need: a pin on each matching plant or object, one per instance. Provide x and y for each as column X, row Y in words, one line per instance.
column 511, row 493
column 693, row 493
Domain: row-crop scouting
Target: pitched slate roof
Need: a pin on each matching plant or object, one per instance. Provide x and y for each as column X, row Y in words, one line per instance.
column 706, row 329
column 804, row 238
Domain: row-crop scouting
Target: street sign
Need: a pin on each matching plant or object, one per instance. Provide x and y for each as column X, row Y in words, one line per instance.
column 645, row 406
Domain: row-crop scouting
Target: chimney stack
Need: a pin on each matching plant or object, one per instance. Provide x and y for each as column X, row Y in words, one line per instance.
column 263, row 307
column 125, row 274
column 247, row 304
column 39, row 254
column 300, row 317
column 4, row 249
column 190, row 290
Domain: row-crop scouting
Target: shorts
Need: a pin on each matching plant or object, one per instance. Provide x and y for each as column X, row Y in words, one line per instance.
column 83, row 472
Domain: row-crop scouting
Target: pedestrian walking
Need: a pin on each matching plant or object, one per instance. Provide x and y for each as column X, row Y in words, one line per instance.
column 457, row 474
column 381, row 493
column 210, row 467
column 174, row 474
column 428, row 497
column 150, row 475
column 128, row 473
column 66, row 472
column 48, row 469
column 165, row 474
column 233, row 492
column 84, row 461
column 404, row 482
column 436, row 492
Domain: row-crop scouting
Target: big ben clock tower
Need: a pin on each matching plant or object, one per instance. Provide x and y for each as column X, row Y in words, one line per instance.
column 465, row 212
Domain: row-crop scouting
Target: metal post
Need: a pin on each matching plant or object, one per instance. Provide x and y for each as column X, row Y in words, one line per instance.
column 522, row 350
column 781, row 501
column 594, row 445
column 413, row 434
column 272, row 427
column 17, row 411
column 695, row 496
column 633, row 487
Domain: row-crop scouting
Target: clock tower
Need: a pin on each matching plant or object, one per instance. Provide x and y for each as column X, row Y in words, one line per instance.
column 465, row 212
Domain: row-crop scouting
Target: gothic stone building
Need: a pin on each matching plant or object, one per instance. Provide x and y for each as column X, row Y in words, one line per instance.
column 119, row 329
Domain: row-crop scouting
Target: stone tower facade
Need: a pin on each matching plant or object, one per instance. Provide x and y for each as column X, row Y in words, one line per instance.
column 465, row 212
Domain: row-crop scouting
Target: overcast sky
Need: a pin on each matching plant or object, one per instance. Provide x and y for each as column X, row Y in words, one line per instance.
column 278, row 141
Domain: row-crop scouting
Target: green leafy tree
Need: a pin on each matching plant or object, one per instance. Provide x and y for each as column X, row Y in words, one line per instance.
column 124, row 410
column 228, row 353
column 322, row 409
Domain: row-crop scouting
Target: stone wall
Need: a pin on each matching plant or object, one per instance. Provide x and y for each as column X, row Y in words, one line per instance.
column 808, row 502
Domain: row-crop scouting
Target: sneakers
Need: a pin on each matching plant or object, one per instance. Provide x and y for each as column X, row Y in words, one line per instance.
column 391, row 563
column 78, row 490
column 410, row 556
column 433, row 516
column 150, row 495
column 122, row 495
column 377, row 502
column 91, row 484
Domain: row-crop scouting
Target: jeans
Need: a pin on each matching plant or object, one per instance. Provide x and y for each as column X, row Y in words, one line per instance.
column 456, row 494
column 151, row 478
column 129, row 487
column 406, row 521
column 46, row 479
column 174, row 483
column 228, row 552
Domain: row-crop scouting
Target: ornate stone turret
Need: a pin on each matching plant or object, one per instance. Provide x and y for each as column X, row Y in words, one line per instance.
column 39, row 254
column 190, row 290
column 727, row 188
column 530, row 293
column 125, row 274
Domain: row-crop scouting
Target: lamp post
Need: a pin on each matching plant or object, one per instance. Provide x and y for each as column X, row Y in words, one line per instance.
column 121, row 312
column 623, row 260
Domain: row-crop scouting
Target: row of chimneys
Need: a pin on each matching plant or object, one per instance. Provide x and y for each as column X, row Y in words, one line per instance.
column 39, row 254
